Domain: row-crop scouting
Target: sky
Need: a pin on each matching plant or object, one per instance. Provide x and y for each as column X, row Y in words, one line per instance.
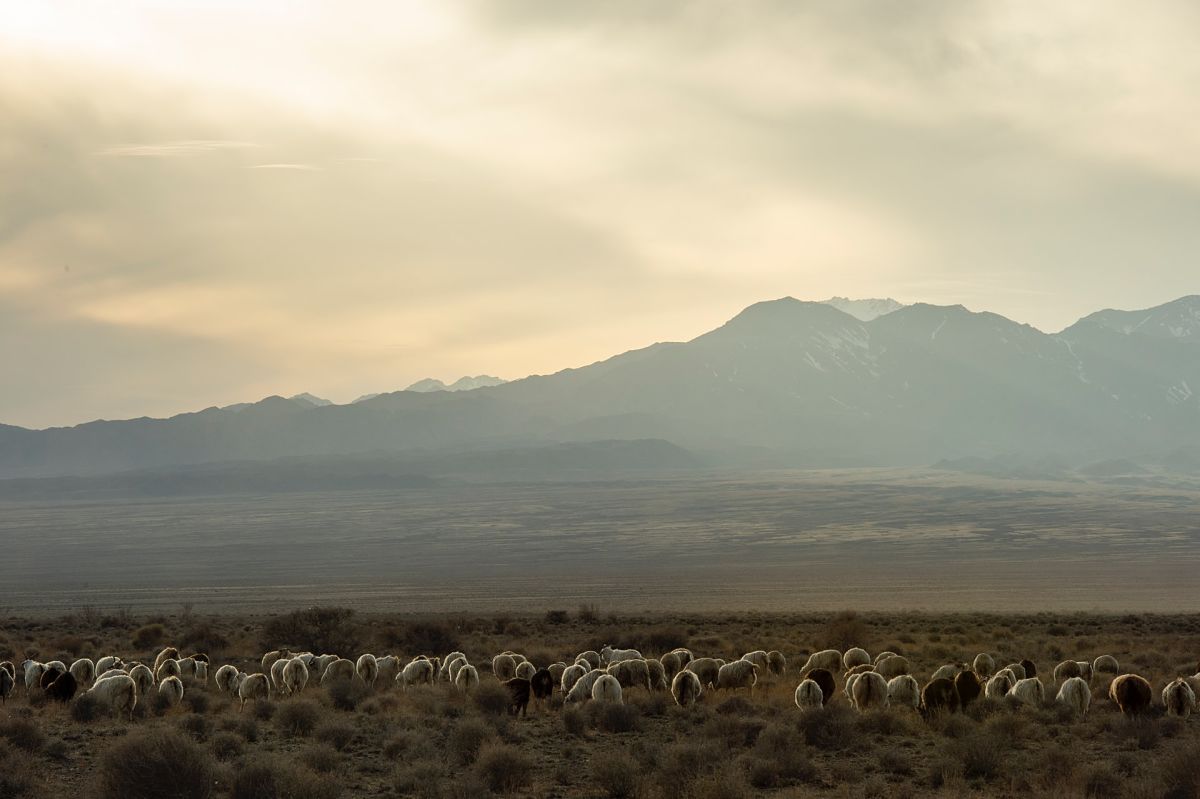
column 204, row 203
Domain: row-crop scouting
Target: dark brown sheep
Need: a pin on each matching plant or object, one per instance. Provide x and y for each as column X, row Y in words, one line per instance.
column 1131, row 693
column 1030, row 668
column 542, row 684
column 968, row 687
column 49, row 676
column 7, row 683
column 518, row 692
column 63, row 689
column 824, row 679
column 938, row 696
column 200, row 656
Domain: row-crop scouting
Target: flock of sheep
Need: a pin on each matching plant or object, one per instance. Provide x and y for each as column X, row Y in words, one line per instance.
column 603, row 676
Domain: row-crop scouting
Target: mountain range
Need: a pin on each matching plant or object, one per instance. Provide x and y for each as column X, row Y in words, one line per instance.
column 783, row 383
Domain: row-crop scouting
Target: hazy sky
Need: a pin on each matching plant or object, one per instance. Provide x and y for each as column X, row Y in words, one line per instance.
column 208, row 202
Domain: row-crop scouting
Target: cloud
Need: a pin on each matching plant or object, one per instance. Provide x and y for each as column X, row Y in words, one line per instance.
column 174, row 149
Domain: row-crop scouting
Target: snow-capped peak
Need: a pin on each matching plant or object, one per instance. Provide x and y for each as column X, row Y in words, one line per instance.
column 864, row 310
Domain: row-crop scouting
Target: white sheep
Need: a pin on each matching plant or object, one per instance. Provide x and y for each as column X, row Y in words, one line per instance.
column 224, row 678
column 1065, row 670
column 658, row 675
column 809, row 695
column 848, row 685
column 168, row 653
column 610, row 655
column 466, row 678
column 340, row 669
column 1018, row 671
column 1178, row 698
column 948, row 671
column 107, row 662
column 738, row 674
column 415, row 672
column 707, row 669
column 143, row 678
column 904, row 691
column 631, row 673
column 118, row 693
column 320, row 663
column 1029, row 691
column 525, row 670
column 870, row 691
column 389, row 667
column 855, row 656
column 1085, row 669
column 607, row 689
column 295, row 676
column 83, row 670
column 200, row 674
column 33, row 671
column 984, row 665
column 885, row 654
column 591, row 656
column 271, row 657
column 570, row 676
column 504, row 667
column 170, row 691
column 829, row 659
column 1075, row 694
column 8, row 682
column 276, row 675
column 367, row 668
column 254, row 686
column 456, row 666
column 892, row 666
column 686, row 688
column 583, row 686
column 1000, row 684
column 1105, row 664
column 168, row 668
column 776, row 662
column 444, row 672
column 759, row 658
column 671, row 664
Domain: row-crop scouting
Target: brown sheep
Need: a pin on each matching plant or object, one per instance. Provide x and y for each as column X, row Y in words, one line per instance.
column 824, row 679
column 49, row 676
column 1131, row 693
column 63, row 688
column 518, row 692
column 1066, row 670
column 1030, row 668
column 542, row 684
column 937, row 696
column 776, row 662
column 968, row 687
column 7, row 684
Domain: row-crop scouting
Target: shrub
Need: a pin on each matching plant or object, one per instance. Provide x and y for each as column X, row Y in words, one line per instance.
column 322, row 758
column 315, row 629
column 406, row 743
column 1179, row 772
column 491, row 698
column 149, row 636
column 263, row 711
column 779, row 755
column 86, row 708
column 981, row 758
column 557, row 617
column 1101, row 782
column 830, row 727
column 614, row 717
column 503, row 768
column 227, row 746
column 279, row 779
column 197, row 726
column 465, row 740
column 247, row 728
column 297, row 718
column 681, row 763
column 204, row 637
column 574, row 721
column 17, row 776
column 588, row 614
column 197, row 701
column 336, row 734
column 846, row 630
column 23, row 734
column 423, row 780
column 424, row 636
column 616, row 774
column 153, row 764
column 346, row 694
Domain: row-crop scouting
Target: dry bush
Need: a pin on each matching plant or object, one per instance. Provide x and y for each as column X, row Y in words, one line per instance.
column 466, row 739
column 86, row 708
column 613, row 716
column 204, row 637
column 149, row 636
column 280, row 779
column 574, row 721
column 323, row 629
column 831, row 728
column 322, row 758
column 491, row 698
column 297, row 718
column 1102, row 782
column 504, row 768
column 424, row 780
column 336, row 734
column 195, row 725
column 346, row 694
column 23, row 734
column 980, row 756
column 196, row 700
column 1179, row 772
column 424, row 637
column 245, row 727
column 154, row 764
column 227, row 746
column 846, row 630
column 681, row 764
column 616, row 775
column 17, row 776
column 779, row 757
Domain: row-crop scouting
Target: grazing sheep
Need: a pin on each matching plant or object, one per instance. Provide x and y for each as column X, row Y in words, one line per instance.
column 658, row 675
column 887, row 653
column 856, row 657
column 870, row 691
column 1030, row 668
column 671, row 664
column 295, row 675
column 33, row 672
column 389, row 667
column 824, row 678
column 1178, row 698
column 518, row 695
column 983, row 665
column 200, row 675
column 504, row 667
column 968, row 686
column 828, row 659
column 1065, row 670
column 224, row 678
column 367, row 669
column 118, row 693
column 1085, row 669
column 1075, row 694
column 187, row 668
column 1018, row 670
column 570, row 676
column 631, row 673
column 893, row 666
column 169, row 653
column 1000, row 684
column 525, row 670
column 541, row 684
column 858, row 670
column 272, row 656
column 938, row 696
column 143, row 678
column 168, row 668
column 776, row 663
column 686, row 688
column 457, row 664
column 848, row 686
column 556, row 670
column 63, row 688
column 949, row 671
column 1029, row 691
column 1131, row 693
column 610, row 655
column 49, row 676
column 416, row 672
column 448, row 664
column 321, row 663
column 107, row 662
column 342, row 669
column 83, row 670
column 591, row 656
column 707, row 669
column 467, row 679
column 607, row 689
column 582, row 689
column 170, row 691
column 254, row 686
column 1105, row 664
column 738, row 674
column 685, row 654
column 809, row 695
column 276, row 675
column 904, row 691
column 11, row 668
column 758, row 657
column 7, row 684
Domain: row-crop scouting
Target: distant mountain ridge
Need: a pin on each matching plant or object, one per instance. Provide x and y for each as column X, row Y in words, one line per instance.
column 783, row 382
column 466, row 383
